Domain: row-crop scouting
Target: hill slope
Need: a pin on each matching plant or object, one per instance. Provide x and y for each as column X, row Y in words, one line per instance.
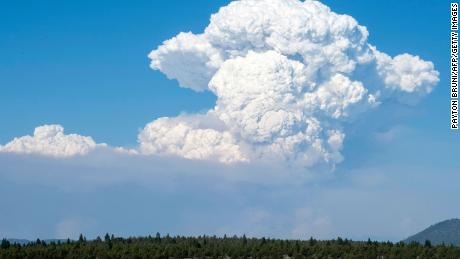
column 447, row 232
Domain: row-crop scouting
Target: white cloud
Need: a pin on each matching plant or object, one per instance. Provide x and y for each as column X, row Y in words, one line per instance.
column 407, row 73
column 50, row 140
column 286, row 74
column 182, row 138
column 340, row 97
column 289, row 77
column 188, row 58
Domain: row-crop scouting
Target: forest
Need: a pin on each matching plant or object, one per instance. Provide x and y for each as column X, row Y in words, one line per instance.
column 222, row 247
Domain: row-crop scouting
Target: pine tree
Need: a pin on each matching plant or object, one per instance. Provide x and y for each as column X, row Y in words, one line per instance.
column 427, row 243
column 107, row 237
column 158, row 237
column 5, row 244
column 81, row 239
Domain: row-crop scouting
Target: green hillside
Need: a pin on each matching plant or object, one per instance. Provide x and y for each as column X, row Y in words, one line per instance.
column 447, row 232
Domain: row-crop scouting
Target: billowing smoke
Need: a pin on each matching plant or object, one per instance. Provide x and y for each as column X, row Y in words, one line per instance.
column 50, row 140
column 287, row 74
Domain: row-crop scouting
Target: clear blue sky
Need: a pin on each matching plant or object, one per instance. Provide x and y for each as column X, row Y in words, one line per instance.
column 83, row 64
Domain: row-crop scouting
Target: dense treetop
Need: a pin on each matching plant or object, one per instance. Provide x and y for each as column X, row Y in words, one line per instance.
column 222, row 247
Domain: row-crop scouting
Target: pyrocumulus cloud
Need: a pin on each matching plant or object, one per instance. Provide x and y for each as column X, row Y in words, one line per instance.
column 287, row 76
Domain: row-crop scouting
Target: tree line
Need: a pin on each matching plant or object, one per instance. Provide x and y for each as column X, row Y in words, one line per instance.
column 222, row 247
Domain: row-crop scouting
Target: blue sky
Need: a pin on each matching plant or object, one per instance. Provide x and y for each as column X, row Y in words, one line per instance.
column 59, row 61
column 84, row 65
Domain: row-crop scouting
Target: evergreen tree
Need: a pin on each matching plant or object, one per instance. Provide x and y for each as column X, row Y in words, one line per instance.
column 107, row 237
column 5, row 244
column 81, row 239
column 427, row 243
column 217, row 247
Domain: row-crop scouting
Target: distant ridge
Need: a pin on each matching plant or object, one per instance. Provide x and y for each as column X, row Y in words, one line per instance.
column 447, row 232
